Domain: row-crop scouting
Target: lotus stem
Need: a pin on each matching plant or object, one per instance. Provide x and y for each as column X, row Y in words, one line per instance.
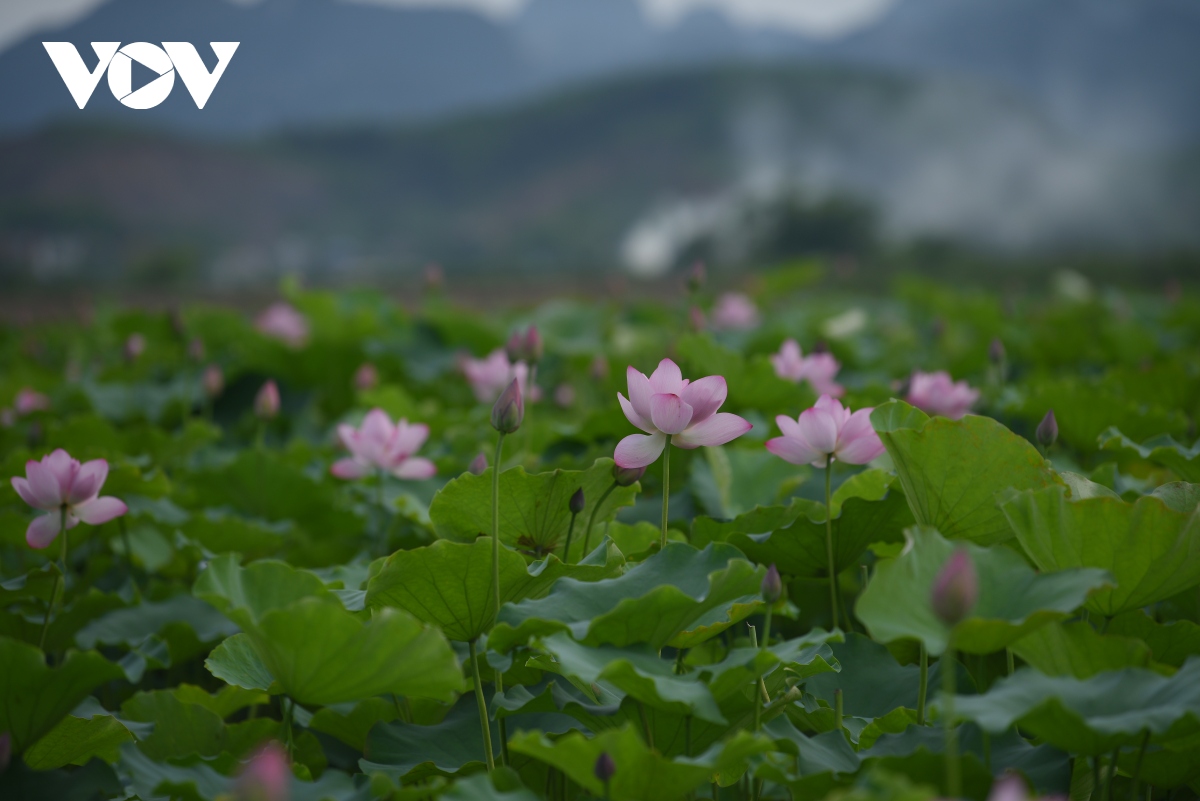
column 1137, row 766
column 662, row 544
column 1012, row 662
column 483, row 715
column 949, row 689
column 567, row 548
column 838, row 709
column 587, row 532
column 496, row 581
column 60, row 578
column 923, row 687
column 833, row 583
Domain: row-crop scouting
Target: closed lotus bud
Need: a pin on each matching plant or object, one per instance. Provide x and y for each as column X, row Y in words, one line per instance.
column 599, row 368
column 772, row 585
column 605, row 767
column 697, row 319
column 996, row 351
column 196, row 349
column 514, row 348
column 1047, row 430
column 5, row 750
column 478, row 465
column 535, row 348
column 213, row 381
column 509, row 409
column 956, row 589
column 266, row 403
column 266, row 777
column 697, row 276
column 627, row 476
column 366, row 377
column 135, row 346
column 577, row 502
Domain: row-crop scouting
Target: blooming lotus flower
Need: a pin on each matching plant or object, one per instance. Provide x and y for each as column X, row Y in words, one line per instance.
column 735, row 312
column 29, row 401
column 266, row 402
column 818, row 369
column 281, row 321
column 827, row 429
column 938, row 393
column 59, row 484
column 489, row 376
column 667, row 404
column 266, row 777
column 380, row 444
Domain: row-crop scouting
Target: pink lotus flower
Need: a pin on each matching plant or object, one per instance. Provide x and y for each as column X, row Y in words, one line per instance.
column 266, row 402
column 380, row 444
column 488, row 377
column 667, row 404
column 366, row 377
column 266, row 777
column 938, row 393
column 818, row 369
column 281, row 321
column 29, row 401
column 827, row 429
column 59, row 484
column 735, row 312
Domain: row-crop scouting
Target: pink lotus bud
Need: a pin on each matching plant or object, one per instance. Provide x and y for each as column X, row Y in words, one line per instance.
column 1047, row 430
column 577, row 502
column 627, row 476
column 697, row 319
column 266, row 777
column 956, row 589
column 599, row 368
column 29, row 401
column 605, row 767
column 135, row 346
column 996, row 351
column 266, row 403
column 196, row 349
column 509, row 409
column 5, row 750
column 697, row 277
column 213, row 381
column 535, row 348
column 772, row 585
column 564, row 396
column 366, row 377
column 478, row 465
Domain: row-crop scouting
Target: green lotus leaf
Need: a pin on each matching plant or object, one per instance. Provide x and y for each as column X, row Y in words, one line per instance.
column 641, row 772
column 180, row 729
column 351, row 723
column 1162, row 450
column 502, row 785
column 1013, row 598
column 449, row 584
column 1171, row 643
column 731, row 481
column 246, row 594
column 235, row 662
column 185, row 622
column 680, row 597
column 89, row 731
column 34, row 698
column 534, row 511
column 1077, row 649
column 1092, row 716
column 1151, row 550
column 951, row 470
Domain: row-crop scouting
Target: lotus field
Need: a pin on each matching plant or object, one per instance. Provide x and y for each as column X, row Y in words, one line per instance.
column 786, row 544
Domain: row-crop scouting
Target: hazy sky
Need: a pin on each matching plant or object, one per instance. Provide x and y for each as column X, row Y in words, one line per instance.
column 818, row 17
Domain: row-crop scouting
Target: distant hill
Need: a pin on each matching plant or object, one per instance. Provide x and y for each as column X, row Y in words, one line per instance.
column 1119, row 71
column 564, row 182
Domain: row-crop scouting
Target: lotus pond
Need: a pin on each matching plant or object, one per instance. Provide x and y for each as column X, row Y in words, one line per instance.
column 776, row 545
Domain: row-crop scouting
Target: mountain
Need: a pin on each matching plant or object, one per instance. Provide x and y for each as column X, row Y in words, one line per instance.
column 570, row 180
column 1123, row 72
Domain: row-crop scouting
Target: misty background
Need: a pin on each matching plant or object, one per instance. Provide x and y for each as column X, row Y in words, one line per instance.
column 360, row 141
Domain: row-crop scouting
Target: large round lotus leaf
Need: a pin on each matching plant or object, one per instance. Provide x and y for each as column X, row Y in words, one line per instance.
column 449, row 584
column 1077, row 649
column 951, row 470
column 1013, row 598
column 1092, row 716
column 534, row 509
column 1151, row 549
column 680, row 596
column 245, row 594
column 1164, row 450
